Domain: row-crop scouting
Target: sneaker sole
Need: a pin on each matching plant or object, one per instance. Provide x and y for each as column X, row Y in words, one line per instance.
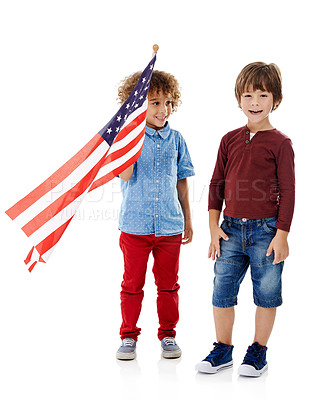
column 171, row 354
column 126, row 356
column 207, row 368
column 248, row 370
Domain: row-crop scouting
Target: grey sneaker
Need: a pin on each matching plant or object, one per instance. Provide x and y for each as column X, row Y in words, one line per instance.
column 127, row 350
column 169, row 348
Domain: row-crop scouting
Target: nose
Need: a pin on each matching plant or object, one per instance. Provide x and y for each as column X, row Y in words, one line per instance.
column 163, row 108
column 255, row 102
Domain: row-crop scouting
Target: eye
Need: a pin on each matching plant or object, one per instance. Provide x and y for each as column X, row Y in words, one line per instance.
column 168, row 102
column 155, row 103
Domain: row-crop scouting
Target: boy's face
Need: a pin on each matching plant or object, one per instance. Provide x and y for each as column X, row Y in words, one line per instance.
column 257, row 105
column 159, row 110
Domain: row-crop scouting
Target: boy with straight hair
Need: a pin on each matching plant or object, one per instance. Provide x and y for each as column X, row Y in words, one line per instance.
column 254, row 174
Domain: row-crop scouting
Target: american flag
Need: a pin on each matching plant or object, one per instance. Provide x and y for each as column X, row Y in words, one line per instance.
column 117, row 146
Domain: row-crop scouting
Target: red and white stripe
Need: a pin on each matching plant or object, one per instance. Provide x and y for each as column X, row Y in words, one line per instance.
column 125, row 149
column 45, row 213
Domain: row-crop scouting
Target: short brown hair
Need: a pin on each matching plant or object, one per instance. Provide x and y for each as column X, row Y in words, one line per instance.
column 260, row 76
column 160, row 81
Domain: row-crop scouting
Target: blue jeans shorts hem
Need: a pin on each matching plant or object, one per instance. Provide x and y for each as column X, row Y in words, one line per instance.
column 268, row 304
column 224, row 303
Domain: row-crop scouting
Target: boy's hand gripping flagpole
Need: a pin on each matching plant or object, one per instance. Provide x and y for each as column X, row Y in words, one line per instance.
column 117, row 146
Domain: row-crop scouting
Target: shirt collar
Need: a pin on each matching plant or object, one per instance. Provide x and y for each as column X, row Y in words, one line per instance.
column 164, row 132
column 245, row 128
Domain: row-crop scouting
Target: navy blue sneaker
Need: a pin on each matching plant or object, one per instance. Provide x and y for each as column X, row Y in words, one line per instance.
column 219, row 358
column 254, row 363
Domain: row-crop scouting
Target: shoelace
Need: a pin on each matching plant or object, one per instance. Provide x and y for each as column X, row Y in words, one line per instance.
column 218, row 351
column 254, row 353
column 128, row 342
column 169, row 340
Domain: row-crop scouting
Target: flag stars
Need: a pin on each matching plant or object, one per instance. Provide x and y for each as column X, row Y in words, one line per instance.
column 119, row 118
column 109, row 130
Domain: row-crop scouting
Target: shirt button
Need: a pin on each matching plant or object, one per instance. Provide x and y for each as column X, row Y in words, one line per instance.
column 247, row 142
column 158, row 145
column 157, row 215
column 157, row 199
column 247, row 132
column 157, row 181
column 244, row 219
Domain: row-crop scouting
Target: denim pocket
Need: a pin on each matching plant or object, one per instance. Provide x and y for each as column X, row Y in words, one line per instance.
column 171, row 162
column 269, row 225
column 223, row 224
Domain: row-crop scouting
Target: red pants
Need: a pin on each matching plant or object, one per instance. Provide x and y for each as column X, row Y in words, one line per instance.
column 136, row 250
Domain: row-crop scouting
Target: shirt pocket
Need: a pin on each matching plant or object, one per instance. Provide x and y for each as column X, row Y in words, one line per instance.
column 171, row 162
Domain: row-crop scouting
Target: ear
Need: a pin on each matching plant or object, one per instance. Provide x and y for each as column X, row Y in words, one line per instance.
column 274, row 107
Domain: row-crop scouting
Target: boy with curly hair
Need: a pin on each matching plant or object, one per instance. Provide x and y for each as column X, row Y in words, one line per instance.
column 155, row 216
column 254, row 174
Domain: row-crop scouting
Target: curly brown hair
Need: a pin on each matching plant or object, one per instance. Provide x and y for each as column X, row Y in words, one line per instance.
column 160, row 81
column 262, row 76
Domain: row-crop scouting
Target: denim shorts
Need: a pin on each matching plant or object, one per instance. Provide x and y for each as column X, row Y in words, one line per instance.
column 247, row 246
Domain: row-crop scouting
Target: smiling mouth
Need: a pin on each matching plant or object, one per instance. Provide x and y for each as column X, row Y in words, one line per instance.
column 253, row 112
column 161, row 118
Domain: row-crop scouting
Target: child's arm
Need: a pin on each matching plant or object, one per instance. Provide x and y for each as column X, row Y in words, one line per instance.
column 286, row 181
column 280, row 246
column 182, row 190
column 127, row 174
column 216, row 233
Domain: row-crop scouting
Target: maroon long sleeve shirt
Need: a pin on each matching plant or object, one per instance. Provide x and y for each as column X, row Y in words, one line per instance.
column 255, row 177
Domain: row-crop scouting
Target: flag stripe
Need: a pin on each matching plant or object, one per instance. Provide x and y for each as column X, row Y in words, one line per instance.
column 64, row 186
column 112, row 174
column 55, row 178
column 126, row 140
column 59, row 204
column 114, row 155
column 128, row 128
column 45, row 246
column 114, row 165
column 51, row 240
column 54, row 223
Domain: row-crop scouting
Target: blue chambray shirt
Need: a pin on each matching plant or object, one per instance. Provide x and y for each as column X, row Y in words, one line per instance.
column 150, row 201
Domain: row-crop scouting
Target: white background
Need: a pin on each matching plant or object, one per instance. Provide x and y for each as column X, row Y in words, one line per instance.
column 61, row 63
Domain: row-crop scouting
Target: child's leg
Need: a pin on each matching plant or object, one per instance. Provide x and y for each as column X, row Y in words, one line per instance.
column 136, row 250
column 165, row 269
column 264, row 322
column 224, row 321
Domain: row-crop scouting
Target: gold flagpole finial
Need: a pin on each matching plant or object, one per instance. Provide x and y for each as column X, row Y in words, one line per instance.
column 155, row 48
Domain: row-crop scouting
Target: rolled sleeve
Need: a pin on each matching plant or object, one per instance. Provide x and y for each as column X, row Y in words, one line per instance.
column 185, row 167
